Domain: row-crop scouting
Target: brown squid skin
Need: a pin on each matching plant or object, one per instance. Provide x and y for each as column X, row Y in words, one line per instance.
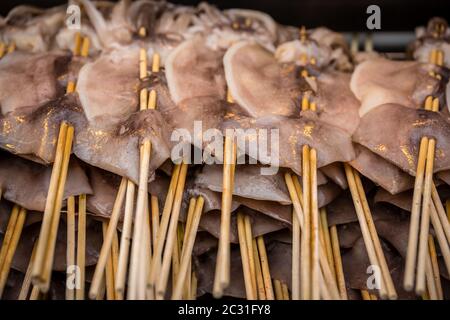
column 394, row 132
column 381, row 171
column 17, row 173
column 34, row 135
column 332, row 144
column 28, row 80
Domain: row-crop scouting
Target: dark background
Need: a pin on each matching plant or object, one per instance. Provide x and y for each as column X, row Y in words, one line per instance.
column 340, row 15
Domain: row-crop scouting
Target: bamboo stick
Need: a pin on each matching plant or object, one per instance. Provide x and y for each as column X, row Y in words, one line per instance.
column 425, row 218
column 139, row 233
column 244, row 258
column 4, row 272
column 305, row 259
column 265, row 268
column 50, row 250
column 125, row 240
column 190, row 215
column 429, row 279
column 444, row 222
column 222, row 272
column 413, row 235
column 327, row 239
column 164, row 273
column 363, row 224
column 278, row 289
column 188, row 245
column 285, row 289
column 2, row 49
column 38, row 266
column 315, row 220
column 81, row 246
column 443, row 244
column 9, row 234
column 259, row 276
column 251, row 257
column 26, row 284
column 338, row 263
column 296, row 236
column 365, row 295
column 109, row 274
column 375, row 239
column 155, row 219
column 70, row 252
column 155, row 264
column 435, row 267
column 105, row 251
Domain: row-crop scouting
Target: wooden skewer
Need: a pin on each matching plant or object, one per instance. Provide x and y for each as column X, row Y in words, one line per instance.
column 328, row 277
column 102, row 290
column 443, row 244
column 296, row 235
column 190, row 215
column 259, row 276
column 251, row 257
column 305, row 260
column 295, row 191
column 315, row 264
column 146, row 253
column 176, row 255
column 435, row 267
column 9, row 234
column 76, row 52
column 447, row 204
column 109, row 274
column 365, row 295
column 81, row 246
column 139, row 233
column 222, row 272
column 50, row 250
column 107, row 242
column 325, row 231
column 155, row 219
column 38, row 266
column 26, row 284
column 115, row 262
column 125, row 240
column 194, row 286
column 363, row 224
column 2, row 49
column 425, row 218
column 265, row 268
column 12, row 249
column 338, row 263
column 162, row 229
column 244, row 258
column 440, row 212
column 278, row 289
column 376, row 241
column 35, row 293
column 70, row 252
column 164, row 272
column 285, row 290
column 413, row 235
column 429, row 277
column 12, row 47
column 188, row 245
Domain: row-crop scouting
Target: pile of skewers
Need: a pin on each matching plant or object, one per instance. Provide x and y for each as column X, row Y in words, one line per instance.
column 347, row 215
